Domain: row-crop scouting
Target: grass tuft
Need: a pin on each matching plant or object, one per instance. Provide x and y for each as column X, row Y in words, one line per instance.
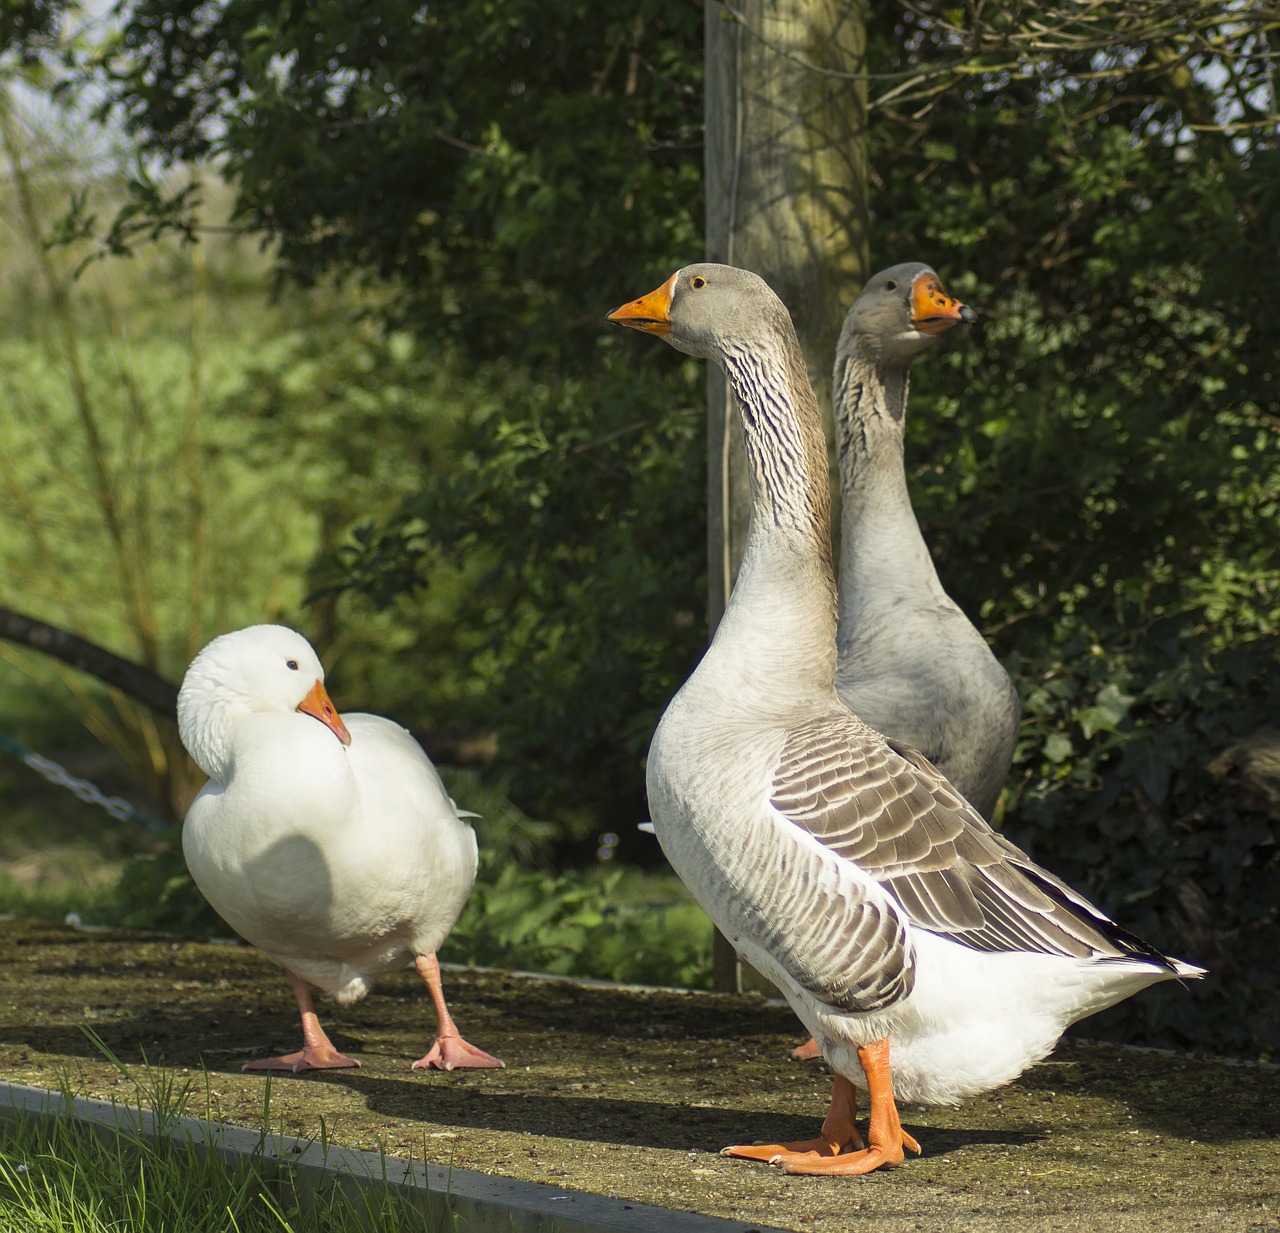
column 68, row 1175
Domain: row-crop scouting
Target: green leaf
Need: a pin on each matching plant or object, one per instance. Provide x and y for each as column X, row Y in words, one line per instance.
column 1057, row 747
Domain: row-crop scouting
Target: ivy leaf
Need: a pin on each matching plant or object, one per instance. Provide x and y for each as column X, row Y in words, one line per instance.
column 1058, row 747
column 1110, row 708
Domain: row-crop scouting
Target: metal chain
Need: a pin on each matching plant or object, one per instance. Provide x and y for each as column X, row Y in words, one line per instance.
column 116, row 806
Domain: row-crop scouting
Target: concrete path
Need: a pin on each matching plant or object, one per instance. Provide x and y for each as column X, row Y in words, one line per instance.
column 629, row 1094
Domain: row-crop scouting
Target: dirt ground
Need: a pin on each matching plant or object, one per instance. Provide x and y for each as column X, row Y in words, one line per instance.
column 631, row 1093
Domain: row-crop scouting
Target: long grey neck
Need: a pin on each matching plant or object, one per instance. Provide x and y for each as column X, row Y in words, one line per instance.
column 777, row 636
column 881, row 548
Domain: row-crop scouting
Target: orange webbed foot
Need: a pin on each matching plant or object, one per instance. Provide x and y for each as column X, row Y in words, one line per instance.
column 805, row 1149
column 884, row 1155
column 839, row 1134
column 839, row 1152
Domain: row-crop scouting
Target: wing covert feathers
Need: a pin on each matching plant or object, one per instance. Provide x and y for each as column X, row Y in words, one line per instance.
column 882, row 805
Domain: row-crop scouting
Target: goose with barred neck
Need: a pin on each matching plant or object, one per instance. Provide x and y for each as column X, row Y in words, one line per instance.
column 331, row 846
column 908, row 660
column 928, row 955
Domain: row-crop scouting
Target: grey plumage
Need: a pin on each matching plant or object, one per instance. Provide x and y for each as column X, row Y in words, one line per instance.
column 910, row 663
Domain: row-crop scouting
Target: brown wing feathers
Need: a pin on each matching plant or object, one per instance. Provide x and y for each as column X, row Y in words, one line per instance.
column 884, row 806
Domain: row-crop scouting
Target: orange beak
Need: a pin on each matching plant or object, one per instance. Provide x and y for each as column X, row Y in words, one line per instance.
column 317, row 705
column 933, row 311
column 650, row 313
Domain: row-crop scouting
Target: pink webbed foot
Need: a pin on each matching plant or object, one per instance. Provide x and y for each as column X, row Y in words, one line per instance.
column 317, row 1052
column 324, row 1057
column 454, row 1053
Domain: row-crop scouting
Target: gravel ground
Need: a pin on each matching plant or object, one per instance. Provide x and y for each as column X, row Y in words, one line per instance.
column 631, row 1093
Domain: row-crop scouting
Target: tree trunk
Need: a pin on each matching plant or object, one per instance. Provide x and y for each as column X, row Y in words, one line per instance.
column 786, row 197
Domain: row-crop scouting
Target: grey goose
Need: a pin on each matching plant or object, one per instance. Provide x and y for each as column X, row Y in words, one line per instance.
column 928, row 955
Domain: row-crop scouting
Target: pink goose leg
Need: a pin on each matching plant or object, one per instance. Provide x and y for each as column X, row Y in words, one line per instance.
column 317, row 1052
column 450, row 1051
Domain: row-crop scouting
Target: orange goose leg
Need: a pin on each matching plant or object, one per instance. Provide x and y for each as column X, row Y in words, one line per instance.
column 807, row 1052
column 450, row 1051
column 886, row 1136
column 840, row 1151
column 317, row 1053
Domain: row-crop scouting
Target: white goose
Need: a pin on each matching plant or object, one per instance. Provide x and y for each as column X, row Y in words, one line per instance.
column 332, row 847
column 841, row 864
column 908, row 660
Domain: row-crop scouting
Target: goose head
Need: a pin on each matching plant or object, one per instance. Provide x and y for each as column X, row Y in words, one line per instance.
column 900, row 312
column 264, row 668
column 710, row 311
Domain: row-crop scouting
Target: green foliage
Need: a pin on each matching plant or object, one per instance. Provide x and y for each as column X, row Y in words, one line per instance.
column 1098, row 472
column 484, row 158
column 577, row 504
column 1117, row 795
column 511, row 174
column 614, row 925
column 54, row 898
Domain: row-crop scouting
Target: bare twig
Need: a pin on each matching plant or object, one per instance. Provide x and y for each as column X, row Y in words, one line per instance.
column 1075, row 40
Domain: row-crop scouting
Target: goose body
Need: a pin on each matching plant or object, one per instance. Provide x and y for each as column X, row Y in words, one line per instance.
column 332, row 846
column 926, row 953
column 909, row 662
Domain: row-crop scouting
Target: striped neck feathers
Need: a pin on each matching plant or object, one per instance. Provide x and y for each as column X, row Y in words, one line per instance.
column 786, row 451
column 870, row 415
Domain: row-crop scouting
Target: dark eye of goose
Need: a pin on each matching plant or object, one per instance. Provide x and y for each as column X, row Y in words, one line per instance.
column 698, row 282
column 891, row 285
column 292, row 665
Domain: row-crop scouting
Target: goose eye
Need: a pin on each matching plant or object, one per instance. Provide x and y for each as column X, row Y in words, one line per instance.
column 292, row 665
column 891, row 285
column 698, row 282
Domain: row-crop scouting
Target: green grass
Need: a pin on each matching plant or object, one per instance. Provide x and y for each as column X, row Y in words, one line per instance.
column 55, row 898
column 61, row 1174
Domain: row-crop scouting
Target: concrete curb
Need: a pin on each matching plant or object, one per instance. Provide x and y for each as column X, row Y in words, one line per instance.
column 478, row 1202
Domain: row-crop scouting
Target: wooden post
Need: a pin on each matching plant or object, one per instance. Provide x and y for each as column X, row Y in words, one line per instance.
column 786, row 197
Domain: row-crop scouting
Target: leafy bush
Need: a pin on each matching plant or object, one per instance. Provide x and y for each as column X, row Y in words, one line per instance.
column 612, row 925
column 1097, row 468
column 1117, row 796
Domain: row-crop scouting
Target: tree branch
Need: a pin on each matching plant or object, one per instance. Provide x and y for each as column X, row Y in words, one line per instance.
column 139, row 682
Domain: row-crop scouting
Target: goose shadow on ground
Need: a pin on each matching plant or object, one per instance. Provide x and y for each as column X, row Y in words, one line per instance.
column 632, row 1122
column 187, row 1005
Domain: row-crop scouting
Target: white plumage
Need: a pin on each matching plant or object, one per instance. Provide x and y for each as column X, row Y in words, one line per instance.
column 332, row 847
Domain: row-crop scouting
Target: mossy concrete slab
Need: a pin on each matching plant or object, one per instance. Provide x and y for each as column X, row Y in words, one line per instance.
column 630, row 1093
